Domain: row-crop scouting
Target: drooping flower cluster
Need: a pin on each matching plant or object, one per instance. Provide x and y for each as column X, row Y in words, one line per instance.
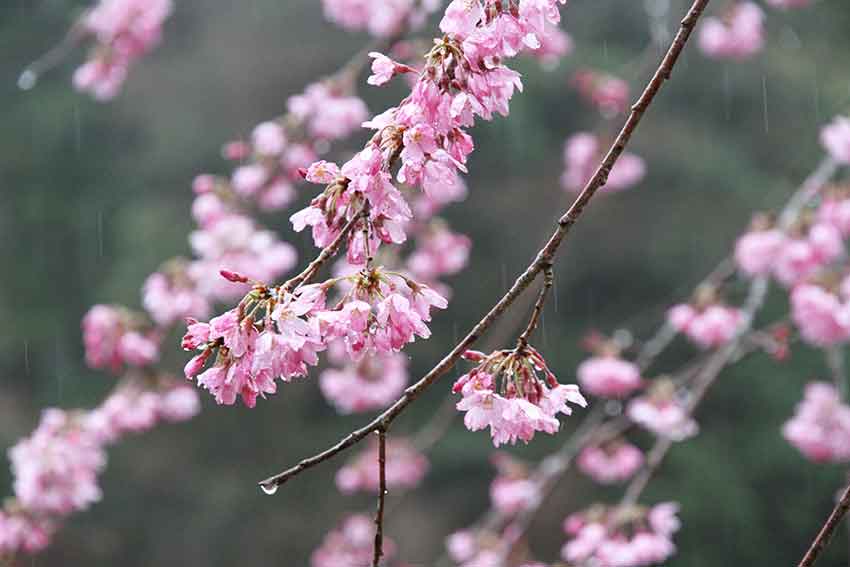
column 56, row 468
column 820, row 428
column 515, row 394
column 706, row 321
column 115, row 337
column 737, row 35
column 350, row 545
column 607, row 93
column 381, row 18
column 405, row 468
column 611, row 463
column 787, row 4
column 622, row 537
column 123, row 31
column 662, row 412
column 274, row 333
column 582, row 154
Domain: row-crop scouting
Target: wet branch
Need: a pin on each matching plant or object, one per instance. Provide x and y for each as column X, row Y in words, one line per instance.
column 382, row 496
column 543, row 259
column 828, row 529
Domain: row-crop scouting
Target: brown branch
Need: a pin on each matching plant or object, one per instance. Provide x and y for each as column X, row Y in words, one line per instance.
column 548, row 282
column 826, row 532
column 326, row 254
column 543, row 258
column 382, row 495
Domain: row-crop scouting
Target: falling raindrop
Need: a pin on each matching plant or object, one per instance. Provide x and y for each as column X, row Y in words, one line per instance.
column 27, row 80
column 27, row 357
column 269, row 488
column 764, row 97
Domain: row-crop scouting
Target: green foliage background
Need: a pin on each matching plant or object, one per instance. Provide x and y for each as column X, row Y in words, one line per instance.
column 96, row 196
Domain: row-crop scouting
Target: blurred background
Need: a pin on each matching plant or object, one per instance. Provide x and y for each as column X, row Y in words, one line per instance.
column 95, row 196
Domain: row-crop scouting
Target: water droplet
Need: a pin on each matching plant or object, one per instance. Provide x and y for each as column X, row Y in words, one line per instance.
column 27, row 80
column 269, row 488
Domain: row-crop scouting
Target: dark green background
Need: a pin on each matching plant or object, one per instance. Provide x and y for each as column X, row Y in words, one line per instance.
column 96, row 196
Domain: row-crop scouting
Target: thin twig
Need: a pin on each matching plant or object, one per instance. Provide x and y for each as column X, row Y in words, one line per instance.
column 825, row 534
column 548, row 282
column 326, row 254
column 382, row 495
column 543, row 258
column 835, row 360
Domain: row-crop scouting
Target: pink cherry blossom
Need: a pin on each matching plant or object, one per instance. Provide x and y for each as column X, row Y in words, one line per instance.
column 405, row 468
column 327, row 114
column 371, row 383
column 835, row 137
column 662, row 414
column 709, row 327
column 581, row 156
column 820, row 315
column 612, row 463
column 350, row 545
column 171, row 296
column 112, row 339
column 804, row 255
column 622, row 538
column 609, row 377
column 21, row 532
column 439, row 252
column 835, row 211
column 529, row 404
column 609, row 94
column 124, row 30
column 757, row 251
column 820, row 428
column 738, row 35
column 56, row 467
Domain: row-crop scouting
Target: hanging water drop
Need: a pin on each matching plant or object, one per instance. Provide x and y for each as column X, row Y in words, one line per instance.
column 27, row 80
column 269, row 488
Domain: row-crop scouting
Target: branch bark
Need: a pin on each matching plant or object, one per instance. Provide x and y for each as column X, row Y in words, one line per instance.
column 825, row 534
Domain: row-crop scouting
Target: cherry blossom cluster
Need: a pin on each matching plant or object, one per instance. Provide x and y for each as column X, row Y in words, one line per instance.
column 607, row 93
column 514, row 393
column 738, row 34
column 405, row 468
column 350, row 545
column 381, row 18
column 512, row 492
column 116, row 337
column 820, row 429
column 274, row 333
column 621, row 537
column 122, row 31
column 582, row 153
column 706, row 320
column 663, row 412
column 56, row 468
column 612, row 462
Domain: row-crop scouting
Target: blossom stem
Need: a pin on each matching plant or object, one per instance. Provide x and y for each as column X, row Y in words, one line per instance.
column 548, row 282
column 326, row 254
column 835, row 361
column 825, row 534
column 543, row 258
column 382, row 495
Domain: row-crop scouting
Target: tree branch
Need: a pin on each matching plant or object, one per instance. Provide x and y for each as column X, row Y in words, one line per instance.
column 828, row 529
column 382, row 496
column 543, row 258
